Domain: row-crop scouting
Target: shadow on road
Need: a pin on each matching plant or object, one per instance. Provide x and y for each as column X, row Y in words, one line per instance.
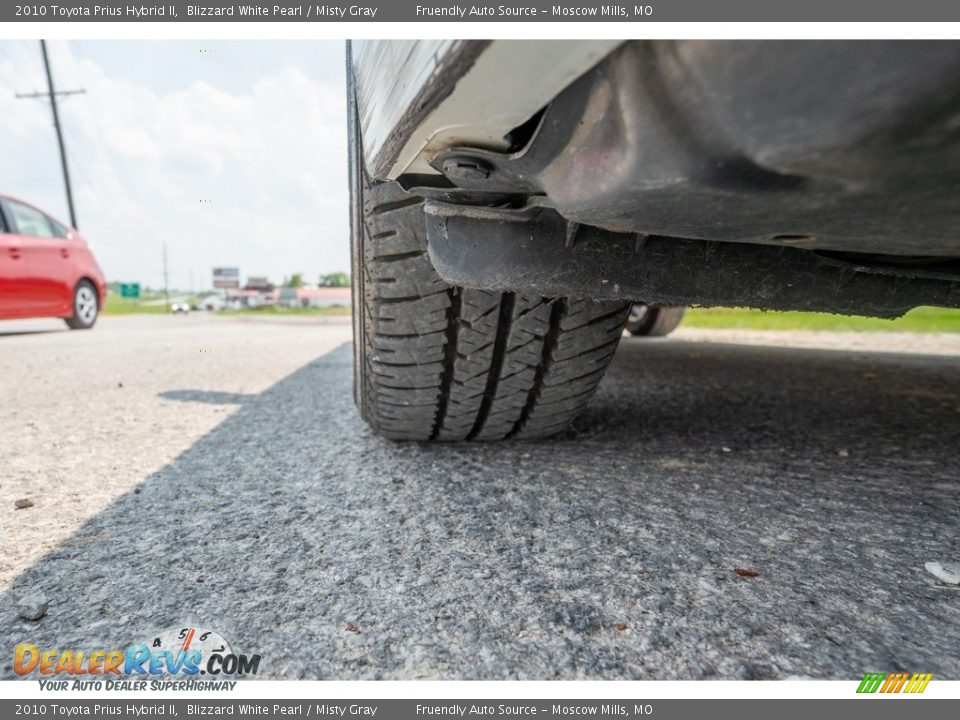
column 612, row 551
column 13, row 333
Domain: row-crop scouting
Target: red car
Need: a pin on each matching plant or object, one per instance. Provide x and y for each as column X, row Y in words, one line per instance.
column 46, row 268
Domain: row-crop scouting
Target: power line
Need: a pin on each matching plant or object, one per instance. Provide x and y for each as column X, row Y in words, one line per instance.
column 19, row 57
column 79, row 149
column 4, row 53
column 52, row 94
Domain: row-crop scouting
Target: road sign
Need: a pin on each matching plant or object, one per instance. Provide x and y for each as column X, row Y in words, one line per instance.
column 226, row 277
column 130, row 290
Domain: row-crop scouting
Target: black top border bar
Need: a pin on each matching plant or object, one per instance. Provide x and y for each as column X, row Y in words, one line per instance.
column 534, row 11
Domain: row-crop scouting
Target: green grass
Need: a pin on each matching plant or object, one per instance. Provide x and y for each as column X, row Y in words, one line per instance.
column 117, row 305
column 922, row 319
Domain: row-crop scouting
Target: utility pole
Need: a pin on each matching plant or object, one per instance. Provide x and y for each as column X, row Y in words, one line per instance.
column 166, row 287
column 52, row 94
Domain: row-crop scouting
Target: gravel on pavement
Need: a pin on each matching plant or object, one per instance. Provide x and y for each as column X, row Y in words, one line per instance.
column 728, row 507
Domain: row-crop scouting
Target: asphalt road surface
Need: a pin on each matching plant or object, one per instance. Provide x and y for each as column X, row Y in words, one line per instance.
column 724, row 509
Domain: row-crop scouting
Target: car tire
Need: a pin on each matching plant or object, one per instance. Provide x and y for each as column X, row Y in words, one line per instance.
column 86, row 306
column 654, row 320
column 438, row 362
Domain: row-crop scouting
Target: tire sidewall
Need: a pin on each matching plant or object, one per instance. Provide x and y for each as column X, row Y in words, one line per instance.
column 357, row 292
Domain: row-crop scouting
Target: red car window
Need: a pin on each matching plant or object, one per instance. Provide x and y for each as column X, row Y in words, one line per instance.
column 58, row 230
column 30, row 221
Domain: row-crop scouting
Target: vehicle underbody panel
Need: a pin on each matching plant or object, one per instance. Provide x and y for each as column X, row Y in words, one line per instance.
column 843, row 157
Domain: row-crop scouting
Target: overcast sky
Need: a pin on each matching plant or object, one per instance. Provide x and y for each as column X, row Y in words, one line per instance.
column 255, row 128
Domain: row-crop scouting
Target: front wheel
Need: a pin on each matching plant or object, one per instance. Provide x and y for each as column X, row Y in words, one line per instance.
column 86, row 306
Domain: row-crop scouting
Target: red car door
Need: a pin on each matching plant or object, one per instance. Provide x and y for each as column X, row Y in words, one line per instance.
column 14, row 278
column 49, row 283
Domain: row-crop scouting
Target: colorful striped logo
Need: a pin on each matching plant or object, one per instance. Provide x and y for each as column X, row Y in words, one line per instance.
column 894, row 682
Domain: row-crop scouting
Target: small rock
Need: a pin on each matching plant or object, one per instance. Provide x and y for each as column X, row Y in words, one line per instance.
column 23, row 503
column 744, row 572
column 947, row 572
column 352, row 627
column 621, row 626
column 32, row 607
column 869, row 376
column 119, row 384
column 843, row 452
column 726, row 449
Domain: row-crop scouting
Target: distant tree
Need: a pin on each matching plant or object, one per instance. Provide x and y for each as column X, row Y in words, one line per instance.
column 337, row 279
column 294, row 281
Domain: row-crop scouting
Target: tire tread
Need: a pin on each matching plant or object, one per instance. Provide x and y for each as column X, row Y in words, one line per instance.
column 451, row 364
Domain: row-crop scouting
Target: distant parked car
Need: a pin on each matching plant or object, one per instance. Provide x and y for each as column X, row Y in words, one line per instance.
column 180, row 308
column 46, row 268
